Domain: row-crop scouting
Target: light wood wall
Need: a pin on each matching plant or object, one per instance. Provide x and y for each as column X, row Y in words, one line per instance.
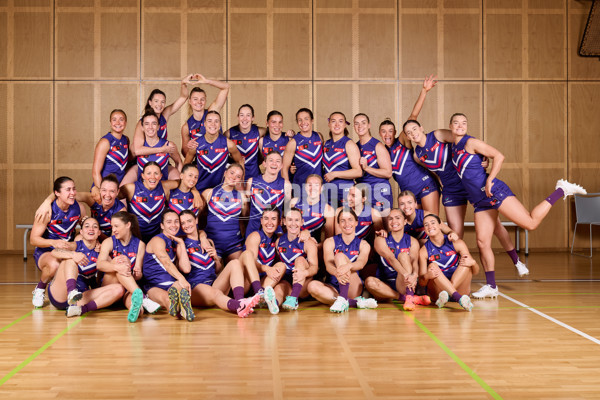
column 510, row 65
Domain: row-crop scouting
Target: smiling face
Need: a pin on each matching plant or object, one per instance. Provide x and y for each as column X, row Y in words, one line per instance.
column 396, row 221
column 387, row 133
column 233, row 175
column 361, row 125
column 120, row 229
column 273, row 163
column 245, row 118
column 190, row 177
column 170, row 223
column 347, row 223
column 108, row 193
column 305, row 122
column 275, row 124
column 407, row 204
column 118, row 122
column 269, row 222
column 151, row 176
column 67, row 192
column 212, row 123
column 187, row 223
column 150, row 126
column 197, row 101
column 458, row 125
column 90, row 229
column 158, row 103
column 293, row 222
column 313, row 187
column 414, row 132
column 431, row 225
column 355, row 197
column 337, row 123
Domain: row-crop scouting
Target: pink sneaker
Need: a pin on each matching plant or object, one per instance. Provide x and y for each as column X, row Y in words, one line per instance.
column 247, row 305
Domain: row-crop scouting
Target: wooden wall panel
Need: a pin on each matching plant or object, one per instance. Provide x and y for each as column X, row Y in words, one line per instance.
column 206, row 36
column 584, row 120
column 547, row 123
column 32, row 45
column 160, row 46
column 547, row 46
column 503, row 52
column 377, row 45
column 292, row 52
column 462, row 46
column 288, row 98
column 552, row 232
column 119, row 42
column 253, row 93
column 415, row 62
column 515, row 4
column 26, row 198
column 5, row 228
column 330, row 97
column 3, row 44
column 117, row 95
column 75, row 44
column 463, row 98
column 431, row 117
column 504, row 119
column 74, row 135
column 35, row 141
column 291, row 3
column 333, row 54
column 248, row 46
column 580, row 67
column 4, row 104
column 378, row 101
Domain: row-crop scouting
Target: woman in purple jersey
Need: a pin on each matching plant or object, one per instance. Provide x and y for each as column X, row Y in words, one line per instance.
column 112, row 152
column 345, row 254
column 157, row 104
column 407, row 203
column 55, row 231
column 274, row 139
column 340, row 160
column 75, row 287
column 446, row 266
column 182, row 198
column 194, row 126
column 120, row 260
column 376, row 165
column 490, row 196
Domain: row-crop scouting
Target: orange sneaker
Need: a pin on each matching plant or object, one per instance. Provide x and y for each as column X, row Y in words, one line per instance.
column 409, row 303
column 422, row 300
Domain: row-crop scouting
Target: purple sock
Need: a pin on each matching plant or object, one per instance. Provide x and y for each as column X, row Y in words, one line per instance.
column 455, row 297
column 513, row 256
column 401, row 297
column 344, row 290
column 490, row 278
column 352, row 303
column 233, row 305
column 296, row 289
column 238, row 292
column 41, row 285
column 256, row 286
column 71, row 285
column 553, row 198
column 410, row 292
column 91, row 306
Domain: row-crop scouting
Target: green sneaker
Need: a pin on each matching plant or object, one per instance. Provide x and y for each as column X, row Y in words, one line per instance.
column 269, row 297
column 290, row 303
column 340, row 305
column 136, row 303
column 185, row 305
column 173, row 301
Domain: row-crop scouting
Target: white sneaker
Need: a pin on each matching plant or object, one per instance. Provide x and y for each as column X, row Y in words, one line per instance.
column 465, row 302
column 74, row 296
column 486, row 291
column 522, row 269
column 340, row 305
column 569, row 188
column 73, row 311
column 362, row 302
column 270, row 300
column 443, row 298
column 149, row 305
column 39, row 295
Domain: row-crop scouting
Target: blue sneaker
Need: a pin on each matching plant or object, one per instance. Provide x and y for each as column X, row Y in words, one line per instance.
column 290, row 303
column 173, row 301
column 269, row 297
column 136, row 303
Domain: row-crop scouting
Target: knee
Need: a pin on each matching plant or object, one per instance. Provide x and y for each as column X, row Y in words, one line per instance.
column 372, row 283
column 301, row 263
column 117, row 291
column 484, row 243
column 340, row 259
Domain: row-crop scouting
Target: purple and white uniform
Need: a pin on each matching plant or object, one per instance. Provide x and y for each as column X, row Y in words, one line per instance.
column 61, row 227
column 416, row 228
column 103, row 217
column 308, row 157
column 386, row 272
column 408, row 174
column 212, row 161
column 266, row 248
column 162, row 128
column 364, row 227
column 87, row 273
column 335, row 158
column 247, row 144
column 264, row 195
column 180, row 201
column 203, row 266
column 148, row 205
column 288, row 251
column 162, row 159
column 351, row 250
column 444, row 256
column 223, row 220
column 270, row 145
column 117, row 156
column 129, row 250
column 155, row 274
column 381, row 190
column 313, row 217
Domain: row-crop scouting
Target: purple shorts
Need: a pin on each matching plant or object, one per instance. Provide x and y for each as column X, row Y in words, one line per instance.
column 38, row 252
column 332, row 281
column 422, row 188
column 453, row 198
column 383, row 198
column 386, row 277
column 83, row 284
column 162, row 281
column 500, row 191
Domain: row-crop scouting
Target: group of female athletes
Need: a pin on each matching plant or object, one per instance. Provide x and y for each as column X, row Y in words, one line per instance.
column 275, row 216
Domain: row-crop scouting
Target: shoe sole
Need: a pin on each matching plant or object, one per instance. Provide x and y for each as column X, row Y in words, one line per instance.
column 493, row 296
column 408, row 307
column 173, row 301
column 186, row 307
column 423, row 300
column 136, row 303
column 441, row 303
column 339, row 311
column 271, row 301
column 75, row 299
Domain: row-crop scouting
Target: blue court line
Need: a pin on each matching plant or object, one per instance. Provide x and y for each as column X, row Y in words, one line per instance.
column 452, row 355
column 39, row 351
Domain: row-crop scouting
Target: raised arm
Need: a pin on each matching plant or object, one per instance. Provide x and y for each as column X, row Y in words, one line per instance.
column 183, row 96
column 428, row 84
column 223, row 87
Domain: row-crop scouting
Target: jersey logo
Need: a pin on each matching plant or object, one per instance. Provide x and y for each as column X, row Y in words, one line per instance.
column 435, row 146
column 404, row 250
column 353, row 253
column 450, row 253
column 434, row 257
column 297, row 251
column 281, row 249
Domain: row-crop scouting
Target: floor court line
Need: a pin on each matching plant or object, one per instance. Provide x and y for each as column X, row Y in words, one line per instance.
column 39, row 351
column 22, row 317
column 451, row 354
column 549, row 318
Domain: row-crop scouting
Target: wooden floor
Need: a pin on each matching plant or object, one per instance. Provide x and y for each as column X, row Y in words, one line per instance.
column 540, row 339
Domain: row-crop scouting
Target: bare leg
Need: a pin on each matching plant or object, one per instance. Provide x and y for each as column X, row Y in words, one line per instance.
column 431, row 202
column 485, row 223
column 456, row 219
column 380, row 290
column 323, row 293
column 103, row 296
column 514, row 210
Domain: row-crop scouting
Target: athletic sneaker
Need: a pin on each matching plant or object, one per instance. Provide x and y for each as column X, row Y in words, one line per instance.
column 136, row 303
column 39, row 295
column 247, row 305
column 150, row 306
column 409, row 303
column 422, row 300
column 173, row 301
column 364, row 303
column 74, row 296
column 465, row 302
column 486, row 291
column 290, row 303
column 522, row 269
column 340, row 305
column 185, row 305
column 270, row 300
column 569, row 188
column 443, row 298
column 73, row 311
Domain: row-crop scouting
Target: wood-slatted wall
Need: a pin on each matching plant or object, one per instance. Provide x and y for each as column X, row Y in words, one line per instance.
column 510, row 65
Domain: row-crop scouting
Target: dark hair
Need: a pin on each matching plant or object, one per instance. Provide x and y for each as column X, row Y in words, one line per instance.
column 433, row 216
column 363, row 115
column 167, row 211
column 410, row 121
column 314, row 176
column 273, row 152
column 269, row 115
column 153, row 93
column 399, row 210
column 291, row 209
column 196, row 90
column 272, row 209
column 407, row 193
column 246, row 105
column 149, row 114
column 126, row 218
column 234, row 165
column 457, row 115
column 59, row 182
column 349, row 211
column 387, row 121
column 149, row 163
column 363, row 190
column 188, row 166
column 213, row 112
column 346, row 133
column 115, row 111
column 110, row 178
column 306, row 110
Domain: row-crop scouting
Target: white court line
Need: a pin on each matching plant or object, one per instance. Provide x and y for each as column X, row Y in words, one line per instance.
column 549, row 318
